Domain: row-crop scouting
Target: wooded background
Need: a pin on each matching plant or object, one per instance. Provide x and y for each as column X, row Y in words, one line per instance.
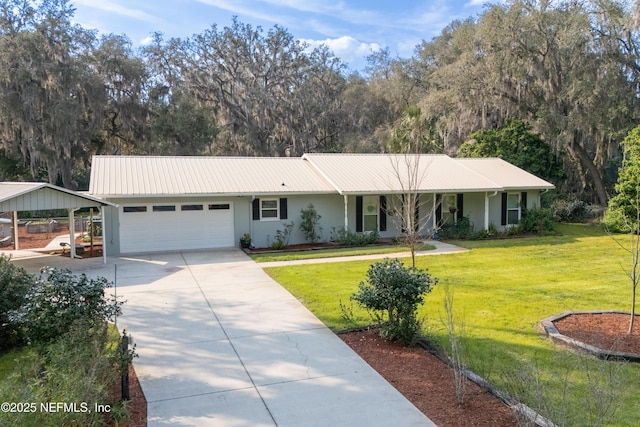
column 549, row 83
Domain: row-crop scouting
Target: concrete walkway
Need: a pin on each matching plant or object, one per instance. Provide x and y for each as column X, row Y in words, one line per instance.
column 441, row 248
column 222, row 344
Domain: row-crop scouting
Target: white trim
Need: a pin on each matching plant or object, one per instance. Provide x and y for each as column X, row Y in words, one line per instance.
column 277, row 208
column 518, row 209
column 376, row 213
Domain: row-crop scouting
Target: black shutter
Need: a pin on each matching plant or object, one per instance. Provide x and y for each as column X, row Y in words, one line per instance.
column 503, row 219
column 383, row 213
column 523, row 203
column 460, row 206
column 256, row 209
column 438, row 208
column 358, row 214
column 283, row 208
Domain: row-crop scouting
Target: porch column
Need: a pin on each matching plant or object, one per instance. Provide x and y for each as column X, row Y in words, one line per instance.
column 104, row 234
column 72, row 233
column 486, row 210
column 346, row 212
column 433, row 213
column 16, row 245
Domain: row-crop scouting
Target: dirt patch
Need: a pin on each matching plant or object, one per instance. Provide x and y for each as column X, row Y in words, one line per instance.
column 40, row 240
column 35, row 240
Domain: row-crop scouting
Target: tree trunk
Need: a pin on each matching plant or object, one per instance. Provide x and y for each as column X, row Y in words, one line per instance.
column 580, row 153
column 633, row 310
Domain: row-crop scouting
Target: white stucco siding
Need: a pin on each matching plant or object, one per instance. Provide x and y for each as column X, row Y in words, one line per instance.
column 533, row 199
column 329, row 207
column 474, row 209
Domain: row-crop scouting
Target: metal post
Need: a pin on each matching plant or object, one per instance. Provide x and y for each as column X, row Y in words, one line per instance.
column 125, row 369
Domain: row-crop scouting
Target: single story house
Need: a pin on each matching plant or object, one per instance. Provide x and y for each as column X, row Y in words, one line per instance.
column 185, row 203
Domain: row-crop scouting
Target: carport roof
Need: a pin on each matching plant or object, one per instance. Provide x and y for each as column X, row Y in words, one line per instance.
column 34, row 196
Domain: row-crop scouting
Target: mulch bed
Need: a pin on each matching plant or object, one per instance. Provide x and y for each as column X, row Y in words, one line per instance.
column 427, row 382
column 608, row 331
column 137, row 402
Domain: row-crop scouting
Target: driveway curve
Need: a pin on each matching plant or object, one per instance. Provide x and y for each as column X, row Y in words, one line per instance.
column 222, row 344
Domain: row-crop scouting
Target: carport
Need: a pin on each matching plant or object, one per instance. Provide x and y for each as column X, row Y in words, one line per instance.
column 37, row 196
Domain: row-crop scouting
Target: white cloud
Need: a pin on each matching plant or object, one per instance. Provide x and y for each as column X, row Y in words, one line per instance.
column 237, row 8
column 146, row 41
column 346, row 48
column 473, row 3
column 112, row 7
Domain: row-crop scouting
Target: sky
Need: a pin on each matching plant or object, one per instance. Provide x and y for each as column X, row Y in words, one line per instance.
column 352, row 29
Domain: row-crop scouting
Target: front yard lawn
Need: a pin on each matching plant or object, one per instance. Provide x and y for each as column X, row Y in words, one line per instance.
column 332, row 253
column 502, row 289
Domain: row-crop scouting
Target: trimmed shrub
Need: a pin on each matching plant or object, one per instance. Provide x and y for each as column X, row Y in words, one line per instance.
column 461, row 229
column 393, row 292
column 58, row 299
column 310, row 223
column 347, row 237
column 15, row 283
column 538, row 221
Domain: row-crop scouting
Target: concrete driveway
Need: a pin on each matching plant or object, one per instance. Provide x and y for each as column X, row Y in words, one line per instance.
column 222, row 344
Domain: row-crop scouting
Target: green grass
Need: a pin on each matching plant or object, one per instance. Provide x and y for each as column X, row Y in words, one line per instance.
column 502, row 289
column 8, row 361
column 74, row 373
column 331, row 253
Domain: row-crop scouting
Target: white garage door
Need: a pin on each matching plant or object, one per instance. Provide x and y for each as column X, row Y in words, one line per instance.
column 173, row 227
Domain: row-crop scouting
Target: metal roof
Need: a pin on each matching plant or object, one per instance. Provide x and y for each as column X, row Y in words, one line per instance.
column 130, row 176
column 395, row 173
column 21, row 196
column 504, row 174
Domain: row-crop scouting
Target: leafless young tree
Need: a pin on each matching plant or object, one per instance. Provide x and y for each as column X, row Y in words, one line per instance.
column 410, row 167
column 633, row 249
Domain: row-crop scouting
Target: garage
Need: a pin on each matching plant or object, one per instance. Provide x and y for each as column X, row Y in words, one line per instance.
column 176, row 226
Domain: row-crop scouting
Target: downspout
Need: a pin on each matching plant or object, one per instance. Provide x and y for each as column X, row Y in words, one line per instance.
column 486, row 208
column 253, row 197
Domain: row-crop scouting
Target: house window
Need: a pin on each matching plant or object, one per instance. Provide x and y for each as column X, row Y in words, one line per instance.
column 450, row 203
column 132, row 209
column 269, row 209
column 164, row 208
column 219, row 207
column 513, row 208
column 191, row 207
column 370, row 213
